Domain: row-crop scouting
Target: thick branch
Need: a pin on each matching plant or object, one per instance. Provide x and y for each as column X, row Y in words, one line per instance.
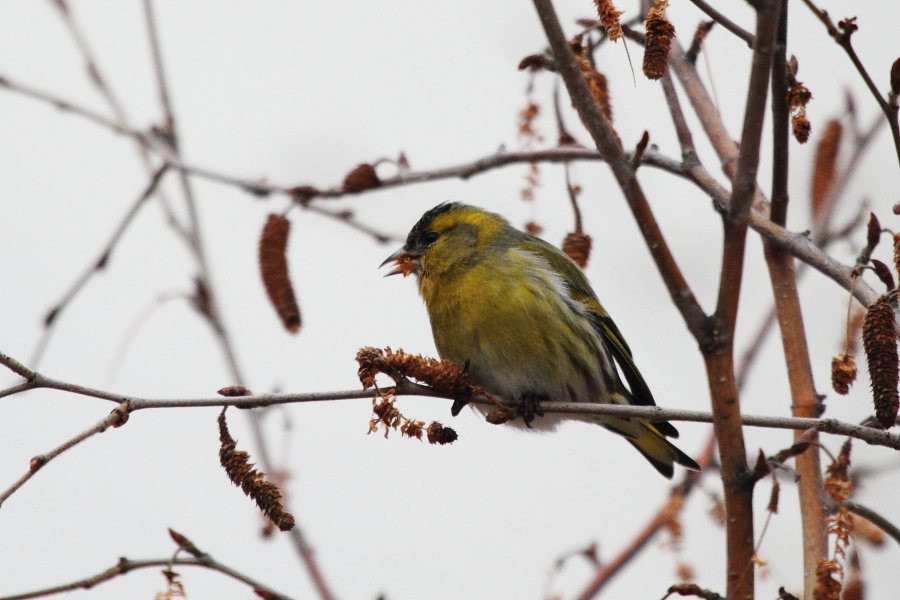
column 805, row 401
column 737, row 486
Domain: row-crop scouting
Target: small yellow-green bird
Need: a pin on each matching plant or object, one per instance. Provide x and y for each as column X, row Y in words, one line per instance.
column 525, row 320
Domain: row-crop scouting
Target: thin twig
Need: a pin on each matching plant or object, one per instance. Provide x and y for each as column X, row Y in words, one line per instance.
column 843, row 39
column 96, row 266
column 96, row 77
column 685, row 139
column 798, row 244
column 116, row 417
column 126, row 565
column 878, row 520
column 654, row 414
column 726, row 22
column 211, row 312
column 609, row 569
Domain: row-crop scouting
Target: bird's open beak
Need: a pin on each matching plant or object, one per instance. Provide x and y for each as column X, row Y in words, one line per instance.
column 405, row 262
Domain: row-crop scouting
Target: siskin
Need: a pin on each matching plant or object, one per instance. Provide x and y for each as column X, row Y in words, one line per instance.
column 525, row 320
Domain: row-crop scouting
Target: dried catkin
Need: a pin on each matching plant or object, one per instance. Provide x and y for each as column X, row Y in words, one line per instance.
column 895, row 80
column 897, row 253
column 798, row 97
column 824, row 167
column 609, row 18
column 843, row 373
column 242, row 474
column 360, row 179
column 880, row 342
column 274, row 270
column 658, row 34
column 578, row 247
column 596, row 80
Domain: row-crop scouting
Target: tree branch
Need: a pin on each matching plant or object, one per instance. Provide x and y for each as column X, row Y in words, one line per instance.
column 125, row 565
column 737, row 485
column 115, row 418
column 96, row 266
column 805, row 400
column 610, row 148
column 843, row 40
column 725, row 22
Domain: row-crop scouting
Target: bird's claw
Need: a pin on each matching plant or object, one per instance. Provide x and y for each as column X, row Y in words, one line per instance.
column 529, row 406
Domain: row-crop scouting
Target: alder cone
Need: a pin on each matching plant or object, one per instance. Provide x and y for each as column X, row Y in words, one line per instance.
column 880, row 342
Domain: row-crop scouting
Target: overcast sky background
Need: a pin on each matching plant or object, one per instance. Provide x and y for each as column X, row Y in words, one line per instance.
column 300, row 93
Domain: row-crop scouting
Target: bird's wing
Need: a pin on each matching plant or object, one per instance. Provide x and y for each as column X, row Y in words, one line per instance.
column 582, row 292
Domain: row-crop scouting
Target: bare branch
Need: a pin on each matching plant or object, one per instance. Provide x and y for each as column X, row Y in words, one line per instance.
column 96, row 266
column 843, row 39
column 804, row 399
column 725, row 22
column 870, row 515
column 126, row 565
column 610, row 148
column 117, row 417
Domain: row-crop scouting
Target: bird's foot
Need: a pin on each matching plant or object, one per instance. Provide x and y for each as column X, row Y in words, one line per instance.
column 529, row 406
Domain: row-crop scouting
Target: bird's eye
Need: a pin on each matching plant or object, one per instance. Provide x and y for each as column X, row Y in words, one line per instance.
column 430, row 237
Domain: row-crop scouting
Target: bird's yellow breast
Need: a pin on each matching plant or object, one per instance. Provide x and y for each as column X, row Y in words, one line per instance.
column 510, row 317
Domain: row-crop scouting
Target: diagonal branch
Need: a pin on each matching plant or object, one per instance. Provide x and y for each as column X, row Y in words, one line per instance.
column 96, row 266
column 842, row 37
column 611, row 150
column 725, row 22
column 116, row 418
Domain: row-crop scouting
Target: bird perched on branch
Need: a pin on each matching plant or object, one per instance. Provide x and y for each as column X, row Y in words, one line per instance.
column 525, row 320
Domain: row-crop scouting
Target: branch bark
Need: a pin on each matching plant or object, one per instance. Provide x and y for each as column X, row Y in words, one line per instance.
column 805, row 401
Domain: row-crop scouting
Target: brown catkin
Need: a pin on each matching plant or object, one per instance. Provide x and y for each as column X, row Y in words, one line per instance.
column 801, row 127
column 824, row 167
column 897, row 253
column 609, row 18
column 697, row 43
column 880, row 343
column 242, row 474
column 274, row 269
column 658, row 34
column 596, row 81
column 895, row 79
column 843, row 373
column 798, row 97
column 578, row 247
column 360, row 179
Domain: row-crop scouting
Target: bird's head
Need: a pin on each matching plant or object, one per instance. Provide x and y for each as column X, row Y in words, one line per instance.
column 449, row 237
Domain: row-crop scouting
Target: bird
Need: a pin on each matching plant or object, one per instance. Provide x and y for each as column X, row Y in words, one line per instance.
column 524, row 320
